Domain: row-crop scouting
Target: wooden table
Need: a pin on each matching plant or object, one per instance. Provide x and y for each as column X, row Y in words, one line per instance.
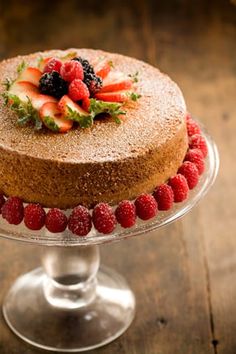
column 184, row 276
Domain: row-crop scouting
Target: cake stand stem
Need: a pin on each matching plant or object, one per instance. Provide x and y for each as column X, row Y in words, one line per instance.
column 70, row 304
column 71, row 275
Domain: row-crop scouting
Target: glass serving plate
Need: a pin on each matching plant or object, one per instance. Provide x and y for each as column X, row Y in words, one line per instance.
column 71, row 303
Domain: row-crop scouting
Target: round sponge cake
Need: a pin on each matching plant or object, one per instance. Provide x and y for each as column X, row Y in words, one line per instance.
column 107, row 162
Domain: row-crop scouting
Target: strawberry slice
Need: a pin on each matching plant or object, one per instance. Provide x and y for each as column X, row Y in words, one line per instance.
column 118, row 96
column 53, row 119
column 102, row 68
column 117, row 86
column 23, row 89
column 31, row 75
column 38, row 100
column 86, row 104
column 26, row 90
column 116, row 81
column 67, row 107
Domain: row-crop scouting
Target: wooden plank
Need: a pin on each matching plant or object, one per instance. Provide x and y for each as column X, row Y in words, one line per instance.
column 201, row 58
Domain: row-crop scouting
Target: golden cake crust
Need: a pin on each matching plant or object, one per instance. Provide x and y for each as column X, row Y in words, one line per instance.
column 107, row 162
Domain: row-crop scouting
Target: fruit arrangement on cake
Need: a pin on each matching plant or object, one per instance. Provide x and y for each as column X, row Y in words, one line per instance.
column 105, row 135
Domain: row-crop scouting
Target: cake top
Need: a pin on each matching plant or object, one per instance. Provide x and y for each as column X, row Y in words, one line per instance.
column 152, row 119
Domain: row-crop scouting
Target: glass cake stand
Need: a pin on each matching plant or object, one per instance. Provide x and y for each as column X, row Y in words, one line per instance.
column 71, row 303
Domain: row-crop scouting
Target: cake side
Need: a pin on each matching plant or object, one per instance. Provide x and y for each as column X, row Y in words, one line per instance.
column 106, row 162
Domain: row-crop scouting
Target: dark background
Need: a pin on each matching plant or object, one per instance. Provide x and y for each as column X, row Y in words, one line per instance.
column 184, row 275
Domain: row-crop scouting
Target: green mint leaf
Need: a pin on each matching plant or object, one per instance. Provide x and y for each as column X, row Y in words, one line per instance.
column 21, row 67
column 134, row 96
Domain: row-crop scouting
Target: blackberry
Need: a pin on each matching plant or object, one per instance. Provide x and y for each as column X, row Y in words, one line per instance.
column 95, row 84
column 92, row 81
column 88, row 69
column 52, row 84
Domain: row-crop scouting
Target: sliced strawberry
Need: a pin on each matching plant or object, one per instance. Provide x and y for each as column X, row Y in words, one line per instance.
column 24, row 90
column 118, row 96
column 102, row 68
column 53, row 119
column 116, row 81
column 117, row 86
column 31, row 75
column 86, row 104
column 38, row 100
column 67, row 107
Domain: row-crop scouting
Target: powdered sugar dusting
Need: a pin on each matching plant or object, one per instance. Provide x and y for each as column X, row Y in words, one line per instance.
column 151, row 121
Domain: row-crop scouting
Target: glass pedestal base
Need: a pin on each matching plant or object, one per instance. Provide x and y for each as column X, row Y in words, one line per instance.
column 64, row 324
column 71, row 304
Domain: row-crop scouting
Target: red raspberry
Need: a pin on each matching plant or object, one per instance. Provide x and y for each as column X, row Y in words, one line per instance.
column 80, row 221
column 164, row 197
column 53, row 64
column 103, row 218
column 192, row 127
column 196, row 156
column 190, row 172
column 86, row 104
column 126, row 213
column 34, row 216
column 146, row 206
column 2, row 202
column 198, row 142
column 179, row 187
column 72, row 70
column 78, row 90
column 13, row 210
column 56, row 220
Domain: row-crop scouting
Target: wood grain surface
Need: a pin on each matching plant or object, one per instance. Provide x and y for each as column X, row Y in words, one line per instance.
column 184, row 276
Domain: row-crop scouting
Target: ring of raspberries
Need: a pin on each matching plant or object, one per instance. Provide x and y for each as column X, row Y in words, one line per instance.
column 103, row 218
column 61, row 93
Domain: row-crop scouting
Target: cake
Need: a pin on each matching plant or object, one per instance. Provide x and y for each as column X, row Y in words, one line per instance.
column 105, row 162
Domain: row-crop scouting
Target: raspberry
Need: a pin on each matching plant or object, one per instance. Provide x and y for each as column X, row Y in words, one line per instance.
column 86, row 104
column 80, row 221
column 164, row 197
column 192, row 127
column 13, row 210
column 146, row 206
column 190, row 172
column 72, row 70
column 34, row 216
column 53, row 64
column 196, row 156
column 126, row 213
column 78, row 90
column 2, row 202
column 198, row 142
column 103, row 218
column 56, row 220
column 179, row 187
